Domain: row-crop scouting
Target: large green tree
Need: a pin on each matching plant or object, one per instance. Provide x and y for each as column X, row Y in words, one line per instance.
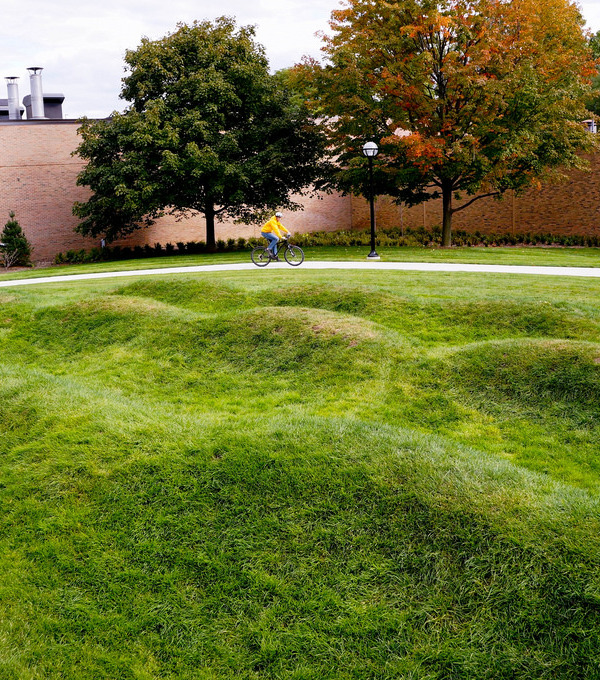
column 464, row 97
column 593, row 103
column 208, row 130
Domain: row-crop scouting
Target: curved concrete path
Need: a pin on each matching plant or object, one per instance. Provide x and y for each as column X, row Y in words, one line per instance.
column 589, row 272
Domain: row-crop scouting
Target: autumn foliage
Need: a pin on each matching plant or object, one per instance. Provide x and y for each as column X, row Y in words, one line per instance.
column 463, row 97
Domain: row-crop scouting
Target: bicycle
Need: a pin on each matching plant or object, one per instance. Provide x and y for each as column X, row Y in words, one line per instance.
column 294, row 255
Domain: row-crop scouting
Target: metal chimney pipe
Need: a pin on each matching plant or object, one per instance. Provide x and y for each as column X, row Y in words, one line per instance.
column 14, row 110
column 37, row 94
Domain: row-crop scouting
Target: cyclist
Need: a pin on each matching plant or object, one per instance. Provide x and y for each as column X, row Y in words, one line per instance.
column 273, row 230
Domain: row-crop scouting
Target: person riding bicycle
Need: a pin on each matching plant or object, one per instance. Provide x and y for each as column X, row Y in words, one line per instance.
column 273, row 230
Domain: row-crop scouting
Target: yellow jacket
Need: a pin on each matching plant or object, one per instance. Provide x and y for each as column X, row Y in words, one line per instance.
column 274, row 226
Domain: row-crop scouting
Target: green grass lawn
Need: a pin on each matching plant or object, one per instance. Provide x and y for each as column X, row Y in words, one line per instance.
column 537, row 256
column 301, row 474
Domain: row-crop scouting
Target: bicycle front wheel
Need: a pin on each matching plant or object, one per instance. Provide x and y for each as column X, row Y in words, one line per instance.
column 294, row 255
column 260, row 256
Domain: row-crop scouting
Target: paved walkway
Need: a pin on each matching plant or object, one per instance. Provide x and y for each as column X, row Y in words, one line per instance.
column 590, row 272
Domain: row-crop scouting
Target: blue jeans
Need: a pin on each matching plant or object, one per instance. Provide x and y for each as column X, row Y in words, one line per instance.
column 273, row 241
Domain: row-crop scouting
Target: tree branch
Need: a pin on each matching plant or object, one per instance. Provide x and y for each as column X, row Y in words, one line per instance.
column 466, row 205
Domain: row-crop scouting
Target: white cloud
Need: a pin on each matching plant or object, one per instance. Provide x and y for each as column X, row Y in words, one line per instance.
column 81, row 48
column 591, row 13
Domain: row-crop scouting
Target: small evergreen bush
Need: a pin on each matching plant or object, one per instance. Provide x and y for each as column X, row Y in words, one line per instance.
column 16, row 249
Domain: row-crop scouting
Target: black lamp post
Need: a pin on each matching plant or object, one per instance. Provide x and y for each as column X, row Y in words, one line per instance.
column 370, row 150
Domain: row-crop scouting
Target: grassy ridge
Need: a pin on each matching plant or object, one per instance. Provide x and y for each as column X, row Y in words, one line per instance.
column 421, row 502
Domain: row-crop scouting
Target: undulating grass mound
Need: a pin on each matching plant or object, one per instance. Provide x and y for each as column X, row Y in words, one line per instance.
column 433, row 320
column 205, row 479
column 538, row 399
column 530, row 372
column 200, row 296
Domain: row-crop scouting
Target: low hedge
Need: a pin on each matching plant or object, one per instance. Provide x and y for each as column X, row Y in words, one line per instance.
column 395, row 237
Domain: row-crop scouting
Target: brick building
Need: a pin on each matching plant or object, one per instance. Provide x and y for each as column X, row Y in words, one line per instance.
column 38, row 182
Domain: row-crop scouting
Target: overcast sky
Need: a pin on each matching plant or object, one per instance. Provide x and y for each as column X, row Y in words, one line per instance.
column 81, row 45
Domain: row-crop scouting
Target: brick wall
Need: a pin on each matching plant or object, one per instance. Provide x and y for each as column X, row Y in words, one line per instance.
column 38, row 179
column 325, row 213
column 38, row 182
column 571, row 206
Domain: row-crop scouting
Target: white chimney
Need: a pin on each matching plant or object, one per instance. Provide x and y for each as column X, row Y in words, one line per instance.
column 37, row 94
column 14, row 110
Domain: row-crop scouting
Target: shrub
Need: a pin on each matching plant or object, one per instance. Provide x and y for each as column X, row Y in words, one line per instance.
column 390, row 237
column 94, row 255
column 16, row 249
column 194, row 247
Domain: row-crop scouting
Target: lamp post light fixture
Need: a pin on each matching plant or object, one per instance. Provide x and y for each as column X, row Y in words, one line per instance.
column 370, row 150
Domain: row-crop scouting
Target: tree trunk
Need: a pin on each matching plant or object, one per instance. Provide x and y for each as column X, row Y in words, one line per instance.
column 446, row 215
column 209, row 214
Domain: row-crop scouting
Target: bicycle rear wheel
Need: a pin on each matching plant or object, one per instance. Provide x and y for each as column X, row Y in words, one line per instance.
column 294, row 255
column 260, row 256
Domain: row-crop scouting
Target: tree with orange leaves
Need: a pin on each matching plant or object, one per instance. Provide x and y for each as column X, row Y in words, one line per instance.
column 463, row 97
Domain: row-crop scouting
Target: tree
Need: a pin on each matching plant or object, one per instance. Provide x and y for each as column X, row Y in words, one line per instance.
column 15, row 249
column 208, row 130
column 462, row 96
column 593, row 102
